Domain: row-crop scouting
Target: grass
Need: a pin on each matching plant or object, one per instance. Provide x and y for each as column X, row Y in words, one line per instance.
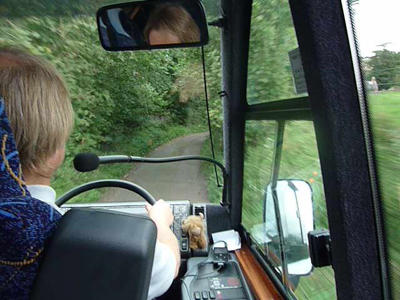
column 385, row 105
column 141, row 143
column 385, row 118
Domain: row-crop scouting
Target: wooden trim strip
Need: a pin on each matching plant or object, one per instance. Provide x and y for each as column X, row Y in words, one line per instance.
column 260, row 284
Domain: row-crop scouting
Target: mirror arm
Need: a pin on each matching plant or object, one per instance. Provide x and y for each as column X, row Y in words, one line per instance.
column 278, row 153
column 220, row 23
column 275, row 177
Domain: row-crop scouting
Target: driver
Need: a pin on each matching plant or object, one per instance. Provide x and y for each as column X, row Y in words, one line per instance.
column 41, row 117
column 171, row 24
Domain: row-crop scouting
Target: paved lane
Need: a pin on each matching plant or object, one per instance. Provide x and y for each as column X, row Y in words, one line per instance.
column 169, row 181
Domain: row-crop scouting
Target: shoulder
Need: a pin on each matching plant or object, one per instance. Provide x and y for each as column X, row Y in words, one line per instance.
column 45, row 194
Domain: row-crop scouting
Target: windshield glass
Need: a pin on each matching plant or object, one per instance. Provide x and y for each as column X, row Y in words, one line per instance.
column 132, row 103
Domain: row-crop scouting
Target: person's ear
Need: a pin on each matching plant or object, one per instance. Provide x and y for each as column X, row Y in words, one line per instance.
column 55, row 161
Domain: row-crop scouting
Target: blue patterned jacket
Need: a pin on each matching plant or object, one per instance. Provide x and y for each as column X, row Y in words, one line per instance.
column 26, row 224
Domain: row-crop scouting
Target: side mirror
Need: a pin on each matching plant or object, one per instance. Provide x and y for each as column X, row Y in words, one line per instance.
column 288, row 215
column 152, row 24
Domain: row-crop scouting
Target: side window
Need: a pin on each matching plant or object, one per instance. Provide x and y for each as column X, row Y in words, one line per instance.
column 272, row 38
column 283, row 196
column 283, row 199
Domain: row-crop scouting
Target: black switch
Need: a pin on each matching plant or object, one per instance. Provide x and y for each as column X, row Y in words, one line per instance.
column 184, row 244
column 205, row 295
column 197, row 296
column 212, row 295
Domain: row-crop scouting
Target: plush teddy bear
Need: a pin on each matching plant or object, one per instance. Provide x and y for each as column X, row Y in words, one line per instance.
column 194, row 226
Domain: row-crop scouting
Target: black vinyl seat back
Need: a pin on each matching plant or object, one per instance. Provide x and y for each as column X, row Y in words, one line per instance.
column 98, row 255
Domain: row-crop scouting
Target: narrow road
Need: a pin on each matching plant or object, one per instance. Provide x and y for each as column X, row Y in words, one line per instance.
column 168, row 181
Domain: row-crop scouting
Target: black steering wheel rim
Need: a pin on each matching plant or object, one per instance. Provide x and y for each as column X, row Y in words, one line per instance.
column 106, row 183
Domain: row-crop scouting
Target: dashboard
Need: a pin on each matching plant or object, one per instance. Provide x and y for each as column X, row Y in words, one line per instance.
column 180, row 209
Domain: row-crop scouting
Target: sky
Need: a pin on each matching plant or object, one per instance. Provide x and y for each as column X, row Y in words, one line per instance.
column 377, row 22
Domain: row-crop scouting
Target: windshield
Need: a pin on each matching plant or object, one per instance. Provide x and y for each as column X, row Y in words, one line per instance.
column 132, row 103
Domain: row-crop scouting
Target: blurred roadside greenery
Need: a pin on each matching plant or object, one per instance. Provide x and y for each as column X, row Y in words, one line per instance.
column 385, row 119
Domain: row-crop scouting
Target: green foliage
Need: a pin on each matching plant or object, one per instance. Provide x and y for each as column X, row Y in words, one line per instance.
column 299, row 161
column 212, row 8
column 13, row 9
column 272, row 37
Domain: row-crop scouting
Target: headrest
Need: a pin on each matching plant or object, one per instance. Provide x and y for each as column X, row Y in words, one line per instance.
column 26, row 224
column 11, row 184
column 98, row 254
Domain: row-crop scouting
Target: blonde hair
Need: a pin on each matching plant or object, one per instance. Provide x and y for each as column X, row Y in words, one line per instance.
column 38, row 106
column 175, row 20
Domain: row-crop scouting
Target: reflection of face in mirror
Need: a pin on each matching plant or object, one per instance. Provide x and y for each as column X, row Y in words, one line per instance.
column 148, row 25
column 170, row 24
column 161, row 37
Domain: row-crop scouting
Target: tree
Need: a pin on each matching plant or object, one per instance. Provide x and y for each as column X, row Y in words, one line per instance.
column 385, row 67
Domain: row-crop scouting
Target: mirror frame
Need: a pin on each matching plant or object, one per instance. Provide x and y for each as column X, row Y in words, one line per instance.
column 155, row 47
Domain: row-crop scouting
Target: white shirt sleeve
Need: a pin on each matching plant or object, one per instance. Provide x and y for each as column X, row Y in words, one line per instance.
column 163, row 273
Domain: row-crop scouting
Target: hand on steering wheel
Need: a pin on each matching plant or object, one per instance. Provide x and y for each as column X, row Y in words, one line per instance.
column 160, row 212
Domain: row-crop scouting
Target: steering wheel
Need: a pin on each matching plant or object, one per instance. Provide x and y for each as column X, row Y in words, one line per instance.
column 106, row 183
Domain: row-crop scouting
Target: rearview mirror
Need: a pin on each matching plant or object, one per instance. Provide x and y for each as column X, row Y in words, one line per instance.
column 289, row 215
column 152, row 25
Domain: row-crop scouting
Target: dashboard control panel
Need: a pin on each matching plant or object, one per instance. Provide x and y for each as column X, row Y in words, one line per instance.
column 208, row 281
column 181, row 212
